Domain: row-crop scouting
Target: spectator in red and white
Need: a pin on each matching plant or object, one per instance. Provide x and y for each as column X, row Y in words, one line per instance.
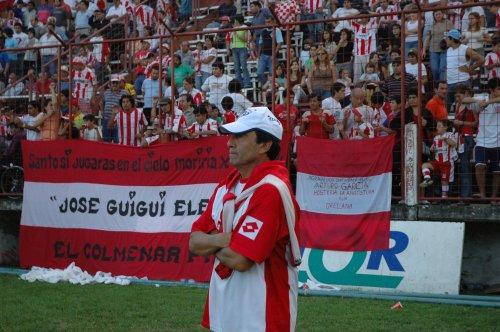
column 174, row 123
column 50, row 48
column 227, row 107
column 365, row 42
column 84, row 82
column 492, row 60
column 358, row 96
column 217, row 85
column 129, row 120
column 361, row 129
column 188, row 88
column 344, row 11
column 289, row 120
column 165, row 60
column 333, row 104
column 316, row 122
column 385, row 22
column 379, row 115
column 475, row 36
column 144, row 16
column 208, row 56
column 241, row 103
column 204, row 126
column 461, row 62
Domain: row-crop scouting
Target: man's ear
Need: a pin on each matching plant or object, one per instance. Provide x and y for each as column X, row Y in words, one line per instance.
column 265, row 146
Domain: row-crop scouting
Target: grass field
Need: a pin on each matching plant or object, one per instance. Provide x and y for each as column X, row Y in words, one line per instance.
column 42, row 307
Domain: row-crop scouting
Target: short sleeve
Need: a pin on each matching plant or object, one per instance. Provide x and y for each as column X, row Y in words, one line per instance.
column 262, row 225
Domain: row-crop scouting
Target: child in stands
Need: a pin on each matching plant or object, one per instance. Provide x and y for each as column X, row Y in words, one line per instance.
column 443, row 145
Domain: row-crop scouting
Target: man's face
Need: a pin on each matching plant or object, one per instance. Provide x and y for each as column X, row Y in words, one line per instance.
column 154, row 74
column 496, row 92
column 412, row 58
column 187, row 86
column 18, row 29
column 254, row 9
column 459, row 97
column 347, row 4
column 31, row 110
column 182, row 103
column 442, row 89
column 185, row 47
column 115, row 85
column 314, row 103
column 201, row 118
column 341, row 94
column 394, row 106
column 126, row 104
column 243, row 149
column 216, row 71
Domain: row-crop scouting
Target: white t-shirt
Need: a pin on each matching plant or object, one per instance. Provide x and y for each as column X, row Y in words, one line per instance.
column 413, row 69
column 240, row 103
column 488, row 134
column 330, row 104
column 411, row 26
column 28, row 120
column 343, row 12
column 120, row 11
column 217, row 86
column 207, row 67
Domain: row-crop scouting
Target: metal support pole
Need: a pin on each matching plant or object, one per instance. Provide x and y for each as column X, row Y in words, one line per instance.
column 273, row 68
column 403, row 104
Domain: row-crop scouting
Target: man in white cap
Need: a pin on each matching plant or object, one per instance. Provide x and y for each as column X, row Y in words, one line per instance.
column 249, row 225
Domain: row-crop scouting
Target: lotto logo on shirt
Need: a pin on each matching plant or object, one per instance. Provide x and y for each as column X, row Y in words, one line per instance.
column 250, row 228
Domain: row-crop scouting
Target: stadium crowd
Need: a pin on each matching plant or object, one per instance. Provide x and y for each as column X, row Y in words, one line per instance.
column 345, row 76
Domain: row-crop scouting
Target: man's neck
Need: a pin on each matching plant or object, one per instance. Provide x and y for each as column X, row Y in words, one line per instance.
column 246, row 170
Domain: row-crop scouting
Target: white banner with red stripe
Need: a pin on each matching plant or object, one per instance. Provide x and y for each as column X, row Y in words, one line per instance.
column 118, row 209
column 344, row 192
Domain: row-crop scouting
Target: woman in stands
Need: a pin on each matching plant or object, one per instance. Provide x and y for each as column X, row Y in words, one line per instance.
column 433, row 41
column 343, row 51
column 328, row 43
column 475, row 36
column 279, row 82
column 322, row 75
column 297, row 81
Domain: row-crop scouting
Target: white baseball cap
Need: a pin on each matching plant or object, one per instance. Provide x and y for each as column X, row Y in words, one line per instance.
column 255, row 118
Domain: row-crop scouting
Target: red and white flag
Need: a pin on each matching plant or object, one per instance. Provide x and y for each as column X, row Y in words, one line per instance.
column 344, row 193
column 118, row 209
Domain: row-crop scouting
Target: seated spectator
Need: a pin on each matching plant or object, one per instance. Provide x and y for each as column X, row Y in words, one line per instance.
column 14, row 87
column 443, row 144
column 185, row 103
column 316, row 122
column 227, row 106
column 213, row 111
column 346, row 80
column 369, row 75
column 188, row 88
column 203, row 127
column 91, row 131
column 279, row 82
column 297, row 81
column 173, row 122
column 43, row 83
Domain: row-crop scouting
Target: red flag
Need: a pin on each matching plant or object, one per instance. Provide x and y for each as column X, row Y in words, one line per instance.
column 344, row 192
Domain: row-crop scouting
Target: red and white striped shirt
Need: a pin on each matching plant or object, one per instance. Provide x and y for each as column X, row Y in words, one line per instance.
column 365, row 37
column 492, row 58
column 391, row 17
column 196, row 128
column 165, row 64
column 310, row 6
column 175, row 124
column 129, row 125
column 145, row 16
column 101, row 50
column 195, row 93
column 84, row 82
column 443, row 152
